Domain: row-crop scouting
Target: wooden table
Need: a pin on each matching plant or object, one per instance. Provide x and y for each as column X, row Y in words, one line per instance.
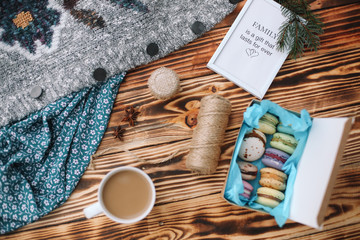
column 189, row 206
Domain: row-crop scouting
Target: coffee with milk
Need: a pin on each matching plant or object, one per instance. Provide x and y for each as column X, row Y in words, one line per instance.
column 127, row 194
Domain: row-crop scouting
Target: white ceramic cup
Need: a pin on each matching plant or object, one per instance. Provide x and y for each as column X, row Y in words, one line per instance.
column 99, row 207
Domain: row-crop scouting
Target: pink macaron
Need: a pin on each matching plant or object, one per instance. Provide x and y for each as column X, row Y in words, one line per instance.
column 247, row 189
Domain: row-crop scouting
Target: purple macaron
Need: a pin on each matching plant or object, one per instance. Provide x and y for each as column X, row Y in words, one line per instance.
column 274, row 158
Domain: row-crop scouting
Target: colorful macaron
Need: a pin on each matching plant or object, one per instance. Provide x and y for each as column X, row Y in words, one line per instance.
column 284, row 142
column 248, row 170
column 267, row 123
column 274, row 158
column 269, row 197
column 247, row 190
column 272, row 178
column 285, row 129
column 253, row 146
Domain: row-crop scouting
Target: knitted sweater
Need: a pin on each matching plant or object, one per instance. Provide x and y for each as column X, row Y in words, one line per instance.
column 50, row 48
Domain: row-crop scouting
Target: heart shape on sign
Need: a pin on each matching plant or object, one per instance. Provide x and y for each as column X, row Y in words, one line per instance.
column 252, row 52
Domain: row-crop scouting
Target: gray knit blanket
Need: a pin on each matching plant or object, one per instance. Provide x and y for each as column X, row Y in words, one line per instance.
column 50, row 48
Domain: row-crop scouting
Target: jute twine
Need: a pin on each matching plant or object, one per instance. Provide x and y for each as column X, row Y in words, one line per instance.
column 205, row 145
column 208, row 136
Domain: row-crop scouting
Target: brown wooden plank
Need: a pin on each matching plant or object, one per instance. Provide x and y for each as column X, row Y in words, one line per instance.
column 173, row 179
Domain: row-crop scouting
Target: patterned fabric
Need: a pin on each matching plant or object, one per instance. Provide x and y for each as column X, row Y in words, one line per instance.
column 43, row 157
column 66, row 41
column 88, row 17
column 92, row 19
column 132, row 4
column 24, row 22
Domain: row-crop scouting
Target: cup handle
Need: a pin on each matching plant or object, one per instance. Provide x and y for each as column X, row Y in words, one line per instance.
column 93, row 210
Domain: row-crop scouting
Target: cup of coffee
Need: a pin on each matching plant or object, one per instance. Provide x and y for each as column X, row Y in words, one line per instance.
column 125, row 195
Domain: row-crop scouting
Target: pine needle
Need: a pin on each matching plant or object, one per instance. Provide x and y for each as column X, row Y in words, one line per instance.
column 302, row 28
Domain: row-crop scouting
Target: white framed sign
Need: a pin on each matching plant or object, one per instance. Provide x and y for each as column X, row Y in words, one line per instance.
column 248, row 54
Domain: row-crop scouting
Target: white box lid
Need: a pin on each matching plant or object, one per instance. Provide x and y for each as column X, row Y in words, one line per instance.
column 317, row 170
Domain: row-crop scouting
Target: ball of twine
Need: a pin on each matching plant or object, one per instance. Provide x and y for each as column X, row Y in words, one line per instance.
column 164, row 83
column 209, row 134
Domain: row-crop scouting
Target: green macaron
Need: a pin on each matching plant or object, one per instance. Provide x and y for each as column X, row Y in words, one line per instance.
column 284, row 142
column 269, row 197
column 267, row 123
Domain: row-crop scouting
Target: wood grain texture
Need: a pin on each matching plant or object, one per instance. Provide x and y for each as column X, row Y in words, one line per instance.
column 189, row 206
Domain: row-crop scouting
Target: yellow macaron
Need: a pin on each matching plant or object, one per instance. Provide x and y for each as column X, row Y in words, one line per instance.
column 273, row 178
column 269, row 197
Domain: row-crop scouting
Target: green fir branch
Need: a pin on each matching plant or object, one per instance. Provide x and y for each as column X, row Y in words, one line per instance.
column 301, row 30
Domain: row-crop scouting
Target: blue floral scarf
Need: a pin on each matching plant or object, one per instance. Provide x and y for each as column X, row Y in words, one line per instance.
column 43, row 156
